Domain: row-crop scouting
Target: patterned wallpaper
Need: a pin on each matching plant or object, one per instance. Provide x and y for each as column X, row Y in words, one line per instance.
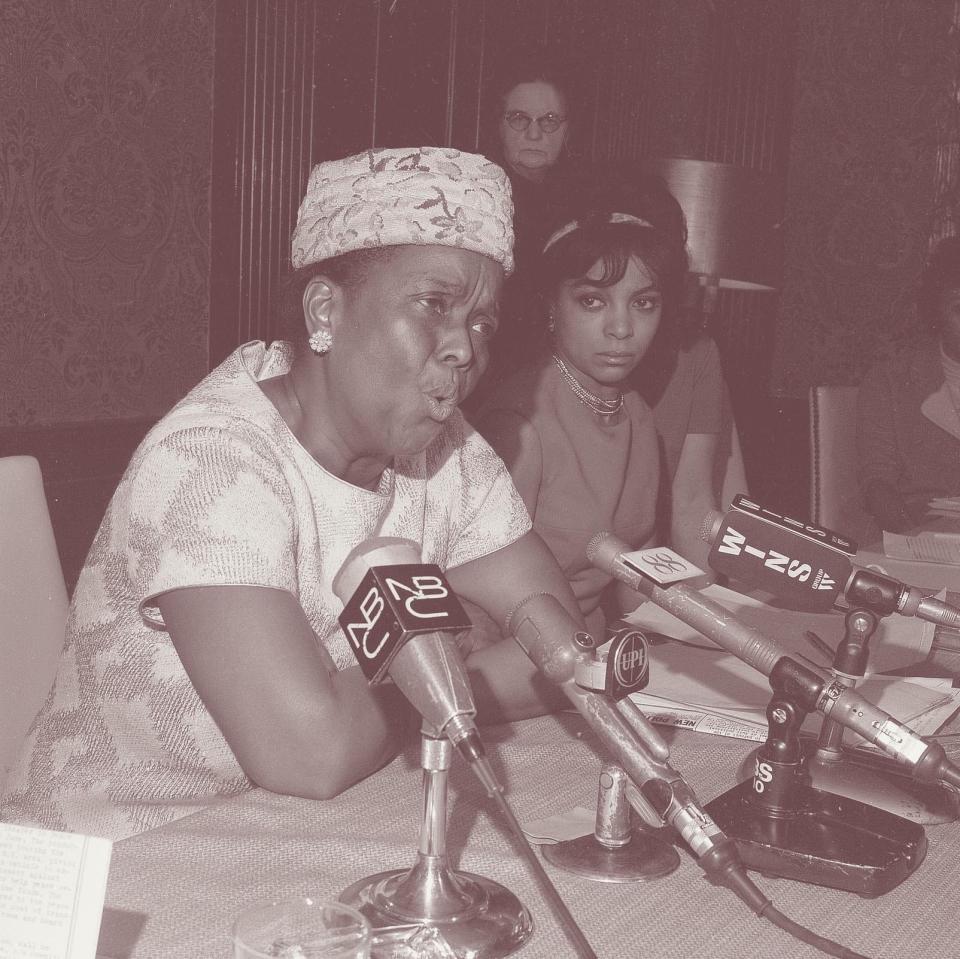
column 873, row 79
column 105, row 111
column 105, row 114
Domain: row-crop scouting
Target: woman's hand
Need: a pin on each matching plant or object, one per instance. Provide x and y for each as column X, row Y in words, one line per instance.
column 296, row 724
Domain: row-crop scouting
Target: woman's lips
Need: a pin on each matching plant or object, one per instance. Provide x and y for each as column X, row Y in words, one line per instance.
column 617, row 359
column 441, row 407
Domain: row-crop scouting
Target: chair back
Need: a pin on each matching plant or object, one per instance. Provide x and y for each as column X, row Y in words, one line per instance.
column 834, row 492
column 33, row 603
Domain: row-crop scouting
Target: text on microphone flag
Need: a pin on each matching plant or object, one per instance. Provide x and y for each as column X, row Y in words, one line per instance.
column 392, row 603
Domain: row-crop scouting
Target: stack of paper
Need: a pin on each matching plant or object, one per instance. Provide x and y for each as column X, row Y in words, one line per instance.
column 932, row 547
column 697, row 685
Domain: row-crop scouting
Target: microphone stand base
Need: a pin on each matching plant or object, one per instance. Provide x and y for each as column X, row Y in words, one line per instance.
column 880, row 782
column 828, row 840
column 644, row 857
column 480, row 920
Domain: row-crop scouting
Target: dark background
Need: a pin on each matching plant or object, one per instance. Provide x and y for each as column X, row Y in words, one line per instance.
column 153, row 153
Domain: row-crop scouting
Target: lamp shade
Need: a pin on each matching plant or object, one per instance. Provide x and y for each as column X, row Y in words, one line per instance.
column 733, row 221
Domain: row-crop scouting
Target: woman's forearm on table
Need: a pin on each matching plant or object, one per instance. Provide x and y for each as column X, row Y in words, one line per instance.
column 295, row 723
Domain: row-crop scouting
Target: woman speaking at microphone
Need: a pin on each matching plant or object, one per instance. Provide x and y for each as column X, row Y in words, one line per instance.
column 203, row 653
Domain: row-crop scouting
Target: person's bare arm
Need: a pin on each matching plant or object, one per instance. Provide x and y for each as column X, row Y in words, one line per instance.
column 296, row 724
column 505, row 682
column 692, row 498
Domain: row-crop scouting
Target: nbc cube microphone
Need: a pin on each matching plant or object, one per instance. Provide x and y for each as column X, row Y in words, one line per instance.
column 928, row 761
column 807, row 567
column 397, row 616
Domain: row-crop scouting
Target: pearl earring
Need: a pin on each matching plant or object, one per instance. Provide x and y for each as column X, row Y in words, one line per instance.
column 320, row 341
column 551, row 325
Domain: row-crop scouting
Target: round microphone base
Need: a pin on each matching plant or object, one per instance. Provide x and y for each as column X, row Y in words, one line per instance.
column 643, row 858
column 473, row 915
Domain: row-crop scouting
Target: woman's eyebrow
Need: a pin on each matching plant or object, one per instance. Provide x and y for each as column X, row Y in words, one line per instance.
column 434, row 282
column 588, row 284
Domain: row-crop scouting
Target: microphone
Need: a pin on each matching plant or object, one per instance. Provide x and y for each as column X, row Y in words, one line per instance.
column 396, row 612
column 843, row 704
column 807, row 567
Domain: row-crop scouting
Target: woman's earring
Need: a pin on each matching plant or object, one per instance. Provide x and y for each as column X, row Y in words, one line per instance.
column 320, row 341
column 551, row 325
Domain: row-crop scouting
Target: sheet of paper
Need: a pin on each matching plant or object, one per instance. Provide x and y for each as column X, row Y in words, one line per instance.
column 924, row 548
column 665, row 713
column 572, row 824
column 899, row 641
column 52, row 886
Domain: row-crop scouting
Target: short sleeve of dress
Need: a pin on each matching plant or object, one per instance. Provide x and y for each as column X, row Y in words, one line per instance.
column 491, row 513
column 206, row 506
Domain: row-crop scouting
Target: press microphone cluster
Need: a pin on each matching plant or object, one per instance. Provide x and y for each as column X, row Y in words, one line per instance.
column 928, row 761
column 561, row 651
column 807, row 567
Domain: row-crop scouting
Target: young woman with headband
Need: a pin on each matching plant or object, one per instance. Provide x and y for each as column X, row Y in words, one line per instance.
column 580, row 445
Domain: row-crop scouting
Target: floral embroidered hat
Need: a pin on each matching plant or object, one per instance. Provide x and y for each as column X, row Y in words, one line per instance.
column 389, row 197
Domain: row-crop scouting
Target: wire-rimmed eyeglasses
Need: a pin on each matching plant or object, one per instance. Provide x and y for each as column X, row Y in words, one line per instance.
column 519, row 121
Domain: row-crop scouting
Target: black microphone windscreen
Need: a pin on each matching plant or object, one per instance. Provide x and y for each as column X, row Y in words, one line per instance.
column 802, row 573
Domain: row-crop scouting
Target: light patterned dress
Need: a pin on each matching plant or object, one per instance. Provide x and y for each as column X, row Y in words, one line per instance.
column 220, row 492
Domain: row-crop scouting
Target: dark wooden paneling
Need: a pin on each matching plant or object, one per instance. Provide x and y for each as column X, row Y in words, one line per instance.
column 298, row 81
column 81, row 466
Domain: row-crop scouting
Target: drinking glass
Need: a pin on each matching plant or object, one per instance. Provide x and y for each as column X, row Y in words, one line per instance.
column 301, row 929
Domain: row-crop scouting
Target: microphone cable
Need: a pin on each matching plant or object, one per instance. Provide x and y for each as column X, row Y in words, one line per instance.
column 558, row 907
column 722, row 867
column 825, row 945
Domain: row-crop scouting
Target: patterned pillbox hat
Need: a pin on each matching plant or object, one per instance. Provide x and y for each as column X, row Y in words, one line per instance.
column 388, row 197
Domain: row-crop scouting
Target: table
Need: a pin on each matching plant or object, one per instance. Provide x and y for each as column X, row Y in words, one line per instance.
column 173, row 892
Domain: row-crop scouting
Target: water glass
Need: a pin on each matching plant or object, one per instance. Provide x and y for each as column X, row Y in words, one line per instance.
column 301, row 929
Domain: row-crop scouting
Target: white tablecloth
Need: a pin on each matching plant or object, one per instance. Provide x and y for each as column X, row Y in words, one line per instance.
column 174, row 892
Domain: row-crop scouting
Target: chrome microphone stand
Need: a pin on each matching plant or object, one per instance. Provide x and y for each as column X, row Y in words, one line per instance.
column 618, row 850
column 476, row 916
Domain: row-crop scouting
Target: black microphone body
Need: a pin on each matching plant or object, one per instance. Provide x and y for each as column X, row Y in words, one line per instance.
column 807, row 567
column 396, row 611
column 928, row 762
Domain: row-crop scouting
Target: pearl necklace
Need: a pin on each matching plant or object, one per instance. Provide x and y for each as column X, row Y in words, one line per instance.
column 598, row 404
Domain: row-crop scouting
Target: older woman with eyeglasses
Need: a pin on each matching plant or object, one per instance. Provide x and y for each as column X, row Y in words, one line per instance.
column 203, row 653
column 531, row 127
